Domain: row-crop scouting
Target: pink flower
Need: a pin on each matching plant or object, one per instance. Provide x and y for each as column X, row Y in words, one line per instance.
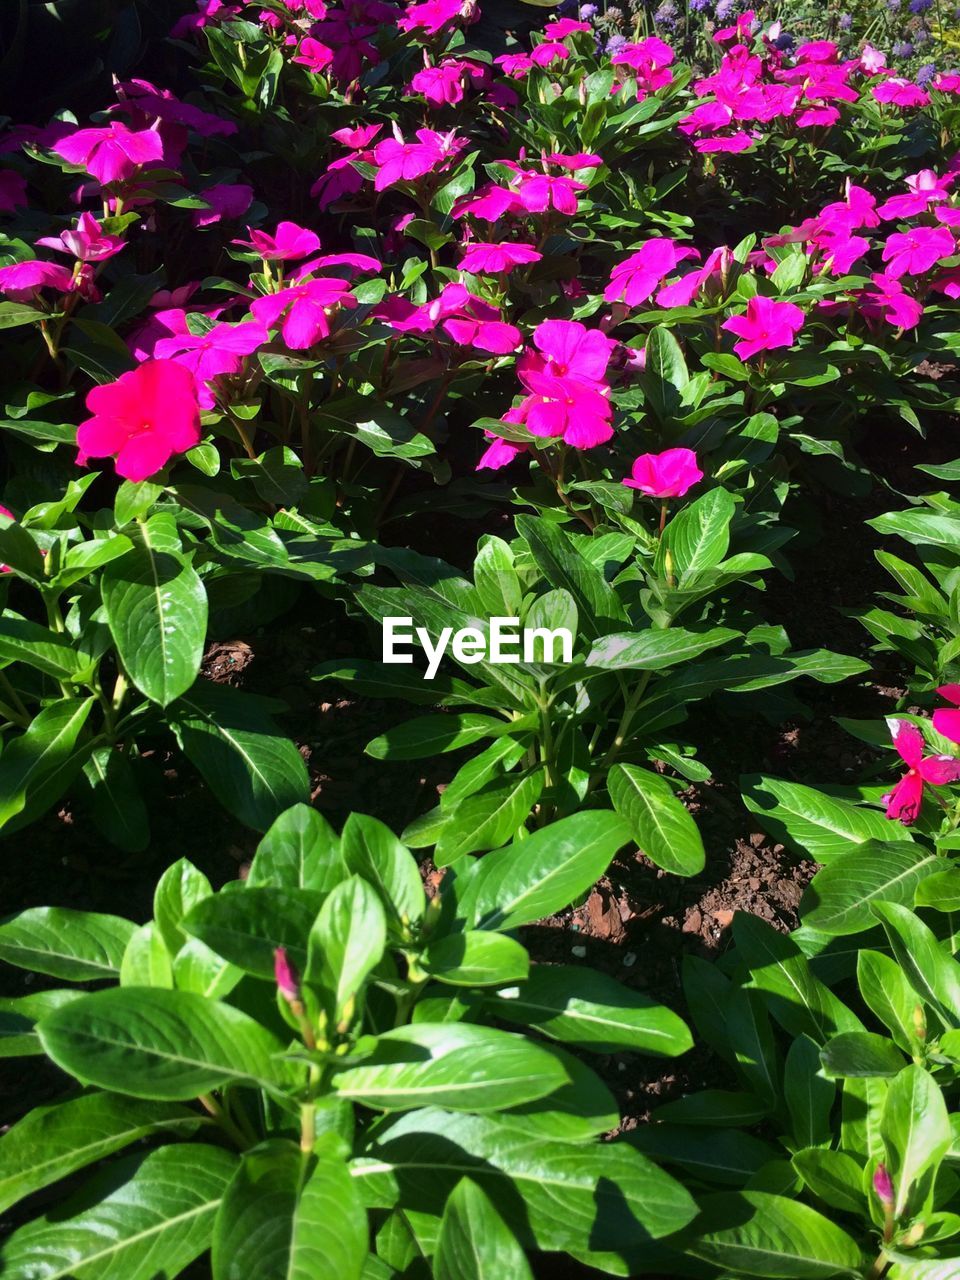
column 635, row 280
column 208, row 11
column 947, row 82
column 443, row 85
column 817, row 117
column 891, row 303
column 491, row 259
column 872, row 60
column 766, row 326
column 142, row 419
column 306, row 310
column 560, row 28
column 539, row 192
column 914, row 252
column 514, row 65
column 400, row 161
column 22, row 281
column 565, row 376
column 218, row 352
column 650, row 61
column 489, row 203
column 88, row 243
column 226, row 200
column 431, row 16
column 13, row 191
column 926, row 188
column 500, row 453
column 356, row 139
column 467, row 319
column 314, row 55
column 288, row 243
column 903, row 803
column 547, row 52
column 734, row 143
column 665, row 475
column 902, row 93
column 113, row 154
column 945, row 720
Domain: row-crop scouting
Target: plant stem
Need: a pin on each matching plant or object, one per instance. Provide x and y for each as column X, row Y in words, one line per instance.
column 210, row 1104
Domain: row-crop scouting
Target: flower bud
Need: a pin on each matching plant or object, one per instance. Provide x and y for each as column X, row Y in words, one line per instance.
column 286, row 977
column 883, row 1186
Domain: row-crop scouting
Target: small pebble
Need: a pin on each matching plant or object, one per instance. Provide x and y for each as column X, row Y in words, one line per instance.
column 579, row 952
column 629, row 959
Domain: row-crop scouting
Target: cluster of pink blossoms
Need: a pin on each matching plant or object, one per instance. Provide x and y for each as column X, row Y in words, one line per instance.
column 903, row 803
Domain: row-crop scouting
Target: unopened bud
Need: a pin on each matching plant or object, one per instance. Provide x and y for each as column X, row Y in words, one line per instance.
column 286, row 977
column 919, row 1022
column 914, row 1235
column 883, row 1186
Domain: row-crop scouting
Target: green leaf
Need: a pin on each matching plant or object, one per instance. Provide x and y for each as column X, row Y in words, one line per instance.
column 146, row 961
column 432, row 735
column 179, row 889
column 19, row 1016
column 543, row 873
column 78, row 946
column 931, row 972
column 475, row 1243
column 664, row 374
column 132, row 1215
column 585, row 1008
column 455, row 1065
column 558, row 559
column 753, row 1233
column 53, row 1141
column 813, row 824
column 834, row 1176
column 299, row 851
column 555, row 1195
column 19, row 552
column 116, row 804
column 888, row 994
column 52, row 653
column 475, row 959
column 489, row 817
column 658, row 820
column 925, row 527
column 347, row 942
column 372, row 851
column 38, row 766
column 710, row 1155
column 255, row 772
column 797, row 999
column 156, row 608
column 168, row 1045
column 916, row 1133
column 282, row 1219
column 247, row 927
column 809, row 1097
column 839, row 898
column 653, row 650
column 698, row 537
column 861, row 1053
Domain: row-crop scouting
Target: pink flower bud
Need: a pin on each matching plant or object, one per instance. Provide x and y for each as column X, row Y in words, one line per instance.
column 286, row 976
column 883, row 1186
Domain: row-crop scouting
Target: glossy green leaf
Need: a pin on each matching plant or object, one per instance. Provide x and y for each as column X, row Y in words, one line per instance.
column 247, row 927
column 77, row 946
column 51, row 1142
column 812, row 823
column 554, row 1195
column 489, row 817
column 583, row 1007
column 299, row 851
column 658, row 820
column 475, row 959
column 916, row 1133
column 38, row 766
column 752, row 1233
column 167, row 1045
column 839, row 898
column 156, row 608
column 286, row 1219
column 371, row 850
column 861, row 1053
column 654, row 650
column 475, row 1243
column 347, row 942
column 932, row 973
column 534, row 877
column 456, row 1065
